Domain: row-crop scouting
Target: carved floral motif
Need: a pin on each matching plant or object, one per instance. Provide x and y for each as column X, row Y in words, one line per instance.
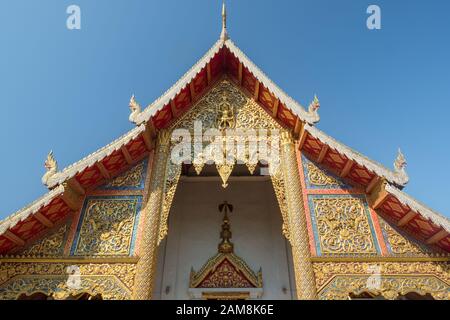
column 112, row 281
column 343, row 226
column 337, row 280
column 52, row 245
column 107, row 226
column 318, row 177
column 398, row 244
column 129, row 179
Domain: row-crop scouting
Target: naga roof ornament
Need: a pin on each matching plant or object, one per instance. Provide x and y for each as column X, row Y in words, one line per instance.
column 400, row 167
column 135, row 109
column 313, row 109
column 51, row 165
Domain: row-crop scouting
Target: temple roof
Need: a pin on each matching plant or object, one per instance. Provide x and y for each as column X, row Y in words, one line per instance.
column 224, row 58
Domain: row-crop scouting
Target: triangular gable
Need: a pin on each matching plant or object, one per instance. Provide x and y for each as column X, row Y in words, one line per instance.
column 225, row 271
column 400, row 244
column 225, row 57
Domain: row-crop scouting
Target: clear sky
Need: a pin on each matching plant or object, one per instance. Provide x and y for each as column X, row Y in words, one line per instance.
column 68, row 90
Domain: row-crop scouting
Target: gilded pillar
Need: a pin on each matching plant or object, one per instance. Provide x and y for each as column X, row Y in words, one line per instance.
column 148, row 248
column 304, row 274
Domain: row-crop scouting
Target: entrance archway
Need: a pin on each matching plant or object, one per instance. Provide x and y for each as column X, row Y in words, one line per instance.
column 194, row 233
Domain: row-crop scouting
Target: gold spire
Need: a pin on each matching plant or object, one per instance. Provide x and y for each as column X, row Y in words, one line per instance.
column 225, row 246
column 224, row 34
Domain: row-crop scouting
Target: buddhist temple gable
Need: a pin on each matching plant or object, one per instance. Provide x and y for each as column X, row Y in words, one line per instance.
column 381, row 185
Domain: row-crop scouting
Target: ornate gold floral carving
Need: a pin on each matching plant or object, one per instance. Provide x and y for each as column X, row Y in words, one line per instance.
column 343, row 226
column 130, row 178
column 248, row 114
column 279, row 188
column 112, row 281
column 318, row 177
column 170, row 186
column 52, row 245
column 398, row 243
column 225, row 106
column 337, row 280
column 107, row 227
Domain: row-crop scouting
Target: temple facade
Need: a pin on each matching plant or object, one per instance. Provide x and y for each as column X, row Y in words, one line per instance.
column 160, row 213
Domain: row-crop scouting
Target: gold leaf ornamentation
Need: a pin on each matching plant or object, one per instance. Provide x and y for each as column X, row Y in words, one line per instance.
column 318, row 177
column 343, row 226
column 52, row 245
column 131, row 178
column 399, row 244
column 112, row 281
column 338, row 280
column 107, row 227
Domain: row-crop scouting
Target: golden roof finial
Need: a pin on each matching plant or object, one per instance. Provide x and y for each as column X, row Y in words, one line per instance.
column 224, row 34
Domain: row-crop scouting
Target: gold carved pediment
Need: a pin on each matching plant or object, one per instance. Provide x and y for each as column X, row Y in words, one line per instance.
column 225, row 271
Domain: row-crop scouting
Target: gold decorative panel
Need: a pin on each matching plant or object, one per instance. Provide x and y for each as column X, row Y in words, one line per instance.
column 318, row 178
column 111, row 281
column 398, row 244
column 338, row 280
column 248, row 114
column 342, row 225
column 52, row 245
column 225, row 269
column 107, row 226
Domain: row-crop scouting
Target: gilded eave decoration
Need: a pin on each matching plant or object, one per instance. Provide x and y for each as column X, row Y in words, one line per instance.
column 340, row 280
column 107, row 226
column 400, row 244
column 63, row 280
column 51, row 245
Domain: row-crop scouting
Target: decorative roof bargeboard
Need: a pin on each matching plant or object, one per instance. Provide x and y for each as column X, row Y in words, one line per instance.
column 397, row 177
column 418, row 207
column 32, row 208
column 77, row 167
column 310, row 117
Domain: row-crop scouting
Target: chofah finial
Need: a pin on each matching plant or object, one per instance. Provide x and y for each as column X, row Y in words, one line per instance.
column 224, row 33
column 400, row 167
column 135, row 109
column 51, row 165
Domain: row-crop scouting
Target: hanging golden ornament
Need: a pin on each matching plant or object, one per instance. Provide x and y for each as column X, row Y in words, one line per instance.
column 251, row 167
column 198, row 167
column 225, row 172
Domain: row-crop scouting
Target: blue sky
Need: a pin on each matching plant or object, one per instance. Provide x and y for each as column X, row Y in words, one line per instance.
column 68, row 90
